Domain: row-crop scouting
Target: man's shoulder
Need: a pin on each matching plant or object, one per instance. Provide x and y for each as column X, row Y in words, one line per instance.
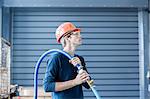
column 58, row 55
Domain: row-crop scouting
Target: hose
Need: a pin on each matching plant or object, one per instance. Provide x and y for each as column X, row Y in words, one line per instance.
column 90, row 82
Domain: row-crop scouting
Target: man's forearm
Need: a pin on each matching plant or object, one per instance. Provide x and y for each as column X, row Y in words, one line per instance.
column 60, row 86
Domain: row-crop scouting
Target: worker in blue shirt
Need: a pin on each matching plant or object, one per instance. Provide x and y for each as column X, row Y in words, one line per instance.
column 61, row 77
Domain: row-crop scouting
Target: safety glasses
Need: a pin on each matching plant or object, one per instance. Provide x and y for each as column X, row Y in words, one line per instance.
column 71, row 33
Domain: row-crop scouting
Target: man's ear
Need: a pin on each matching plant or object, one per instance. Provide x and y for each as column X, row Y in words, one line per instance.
column 67, row 39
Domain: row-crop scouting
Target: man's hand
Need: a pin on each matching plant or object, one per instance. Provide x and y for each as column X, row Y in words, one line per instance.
column 75, row 61
column 81, row 78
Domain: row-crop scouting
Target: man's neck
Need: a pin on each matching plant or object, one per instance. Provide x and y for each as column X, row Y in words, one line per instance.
column 70, row 50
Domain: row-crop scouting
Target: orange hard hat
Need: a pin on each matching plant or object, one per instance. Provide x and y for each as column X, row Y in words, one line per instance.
column 64, row 29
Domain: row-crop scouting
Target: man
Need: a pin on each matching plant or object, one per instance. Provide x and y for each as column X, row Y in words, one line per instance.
column 61, row 77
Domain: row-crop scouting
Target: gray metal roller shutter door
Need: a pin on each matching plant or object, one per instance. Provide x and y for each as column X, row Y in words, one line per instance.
column 110, row 46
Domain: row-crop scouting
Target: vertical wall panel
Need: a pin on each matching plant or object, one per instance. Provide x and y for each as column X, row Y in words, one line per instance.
column 110, row 46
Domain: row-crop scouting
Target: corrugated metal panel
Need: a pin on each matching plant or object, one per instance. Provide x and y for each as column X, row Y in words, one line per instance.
column 110, row 46
column 77, row 3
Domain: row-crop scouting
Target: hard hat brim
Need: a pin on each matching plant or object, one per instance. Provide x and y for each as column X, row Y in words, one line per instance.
column 74, row 30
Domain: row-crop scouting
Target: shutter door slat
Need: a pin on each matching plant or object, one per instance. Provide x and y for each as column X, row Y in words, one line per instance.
column 89, row 64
